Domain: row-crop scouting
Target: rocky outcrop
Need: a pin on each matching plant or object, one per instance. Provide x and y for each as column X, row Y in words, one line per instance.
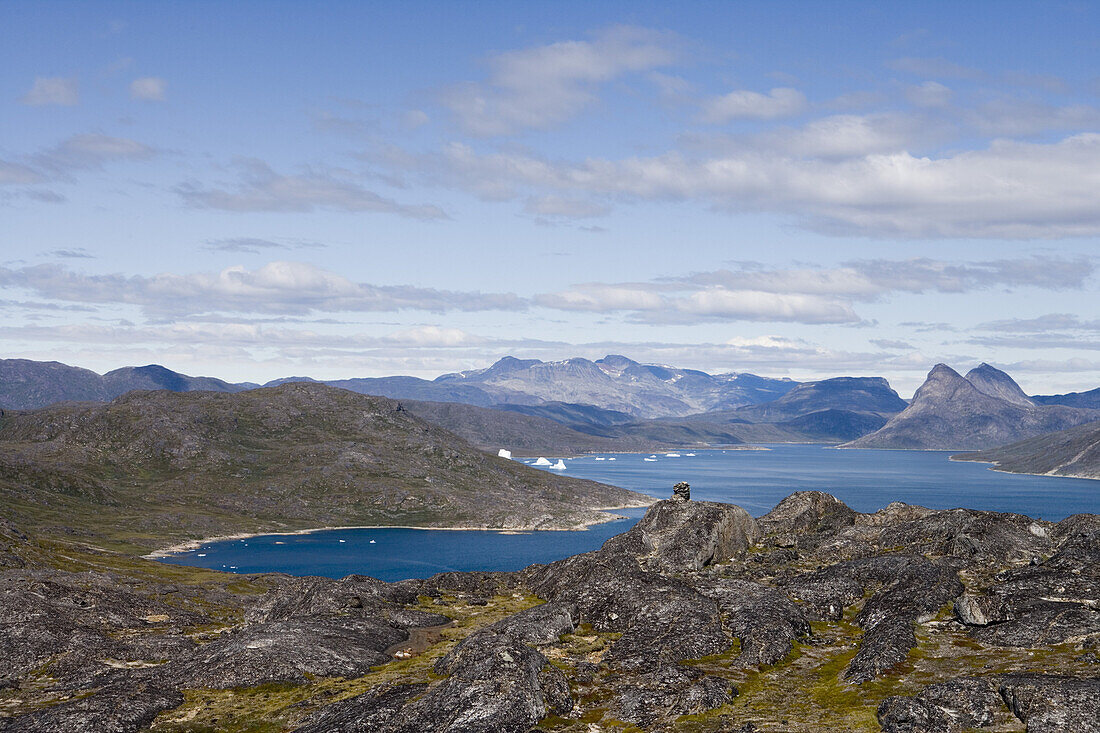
column 697, row 611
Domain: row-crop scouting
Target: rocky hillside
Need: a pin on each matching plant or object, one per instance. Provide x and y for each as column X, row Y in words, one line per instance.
column 700, row 619
column 982, row 410
column 1073, row 452
column 161, row 464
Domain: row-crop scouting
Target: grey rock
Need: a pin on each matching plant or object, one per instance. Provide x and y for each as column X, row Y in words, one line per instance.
column 121, row 708
column 1050, row 704
column 370, row 712
column 947, row 707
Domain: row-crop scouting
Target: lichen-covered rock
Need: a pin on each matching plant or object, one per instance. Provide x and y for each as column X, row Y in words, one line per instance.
column 804, row 512
column 121, row 708
column 679, row 536
column 370, row 712
column 946, row 707
column 765, row 620
column 668, row 692
column 1053, row 704
column 289, row 651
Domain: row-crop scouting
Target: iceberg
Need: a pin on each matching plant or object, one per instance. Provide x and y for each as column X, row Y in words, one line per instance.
column 559, row 466
column 672, row 455
column 542, row 462
column 611, row 459
column 600, row 458
column 650, row 460
column 690, row 455
column 504, row 453
column 372, row 542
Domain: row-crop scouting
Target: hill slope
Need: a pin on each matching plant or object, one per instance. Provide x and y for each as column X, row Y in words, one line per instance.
column 293, row 456
column 1072, row 452
column 520, row 433
column 949, row 412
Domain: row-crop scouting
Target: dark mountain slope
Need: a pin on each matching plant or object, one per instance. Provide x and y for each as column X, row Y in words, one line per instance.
column 949, row 412
column 1088, row 400
column 26, row 384
column 154, row 376
column 1071, row 452
column 868, row 395
column 522, row 434
column 293, row 456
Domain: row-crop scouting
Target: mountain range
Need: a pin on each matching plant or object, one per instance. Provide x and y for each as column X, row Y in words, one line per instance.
column 986, row 408
column 617, row 404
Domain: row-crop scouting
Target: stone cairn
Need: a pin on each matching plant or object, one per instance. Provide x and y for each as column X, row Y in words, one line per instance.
column 682, row 491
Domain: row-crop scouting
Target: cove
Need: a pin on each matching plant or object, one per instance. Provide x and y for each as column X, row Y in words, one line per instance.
column 866, row 480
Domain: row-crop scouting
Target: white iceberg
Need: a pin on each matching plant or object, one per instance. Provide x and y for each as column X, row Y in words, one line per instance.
column 542, row 462
column 690, row 455
column 650, row 460
column 559, row 466
column 672, row 455
column 504, row 453
column 372, row 542
column 343, row 540
column 600, row 458
column 611, row 459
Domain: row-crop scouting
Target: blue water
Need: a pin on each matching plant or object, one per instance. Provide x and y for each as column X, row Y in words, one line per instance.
column 757, row 480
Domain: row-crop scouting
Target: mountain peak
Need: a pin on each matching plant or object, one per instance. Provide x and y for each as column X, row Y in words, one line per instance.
column 996, row 383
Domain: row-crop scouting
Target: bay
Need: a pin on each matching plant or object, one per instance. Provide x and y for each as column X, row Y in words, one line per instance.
column 866, row 480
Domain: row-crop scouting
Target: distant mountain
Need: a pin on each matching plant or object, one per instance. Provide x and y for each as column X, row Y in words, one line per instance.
column 27, row 385
column 526, row 435
column 621, row 384
column 581, row 417
column 951, row 412
column 1071, row 452
column 154, row 376
column 1088, row 400
column 996, row 383
column 866, row 395
column 293, row 456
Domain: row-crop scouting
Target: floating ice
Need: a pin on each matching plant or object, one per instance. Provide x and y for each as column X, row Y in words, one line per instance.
column 690, row 455
column 542, row 462
column 343, row 540
column 650, row 460
column 672, row 455
column 610, row 459
column 201, row 554
column 504, row 453
column 372, row 542
column 600, row 458
column 559, row 466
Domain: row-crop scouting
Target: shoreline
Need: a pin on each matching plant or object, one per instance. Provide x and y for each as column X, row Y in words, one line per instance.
column 996, row 467
column 192, row 545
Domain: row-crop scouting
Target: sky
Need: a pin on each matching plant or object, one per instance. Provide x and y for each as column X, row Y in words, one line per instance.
column 254, row 190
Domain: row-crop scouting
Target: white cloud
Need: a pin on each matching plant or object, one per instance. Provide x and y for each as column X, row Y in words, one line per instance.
column 262, row 189
column 543, row 86
column 749, row 105
column 929, row 94
column 277, row 287
column 148, row 88
column 1008, row 190
column 709, row 304
column 52, row 90
column 568, row 208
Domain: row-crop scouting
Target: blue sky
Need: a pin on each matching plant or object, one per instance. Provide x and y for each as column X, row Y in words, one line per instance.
column 253, row 190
